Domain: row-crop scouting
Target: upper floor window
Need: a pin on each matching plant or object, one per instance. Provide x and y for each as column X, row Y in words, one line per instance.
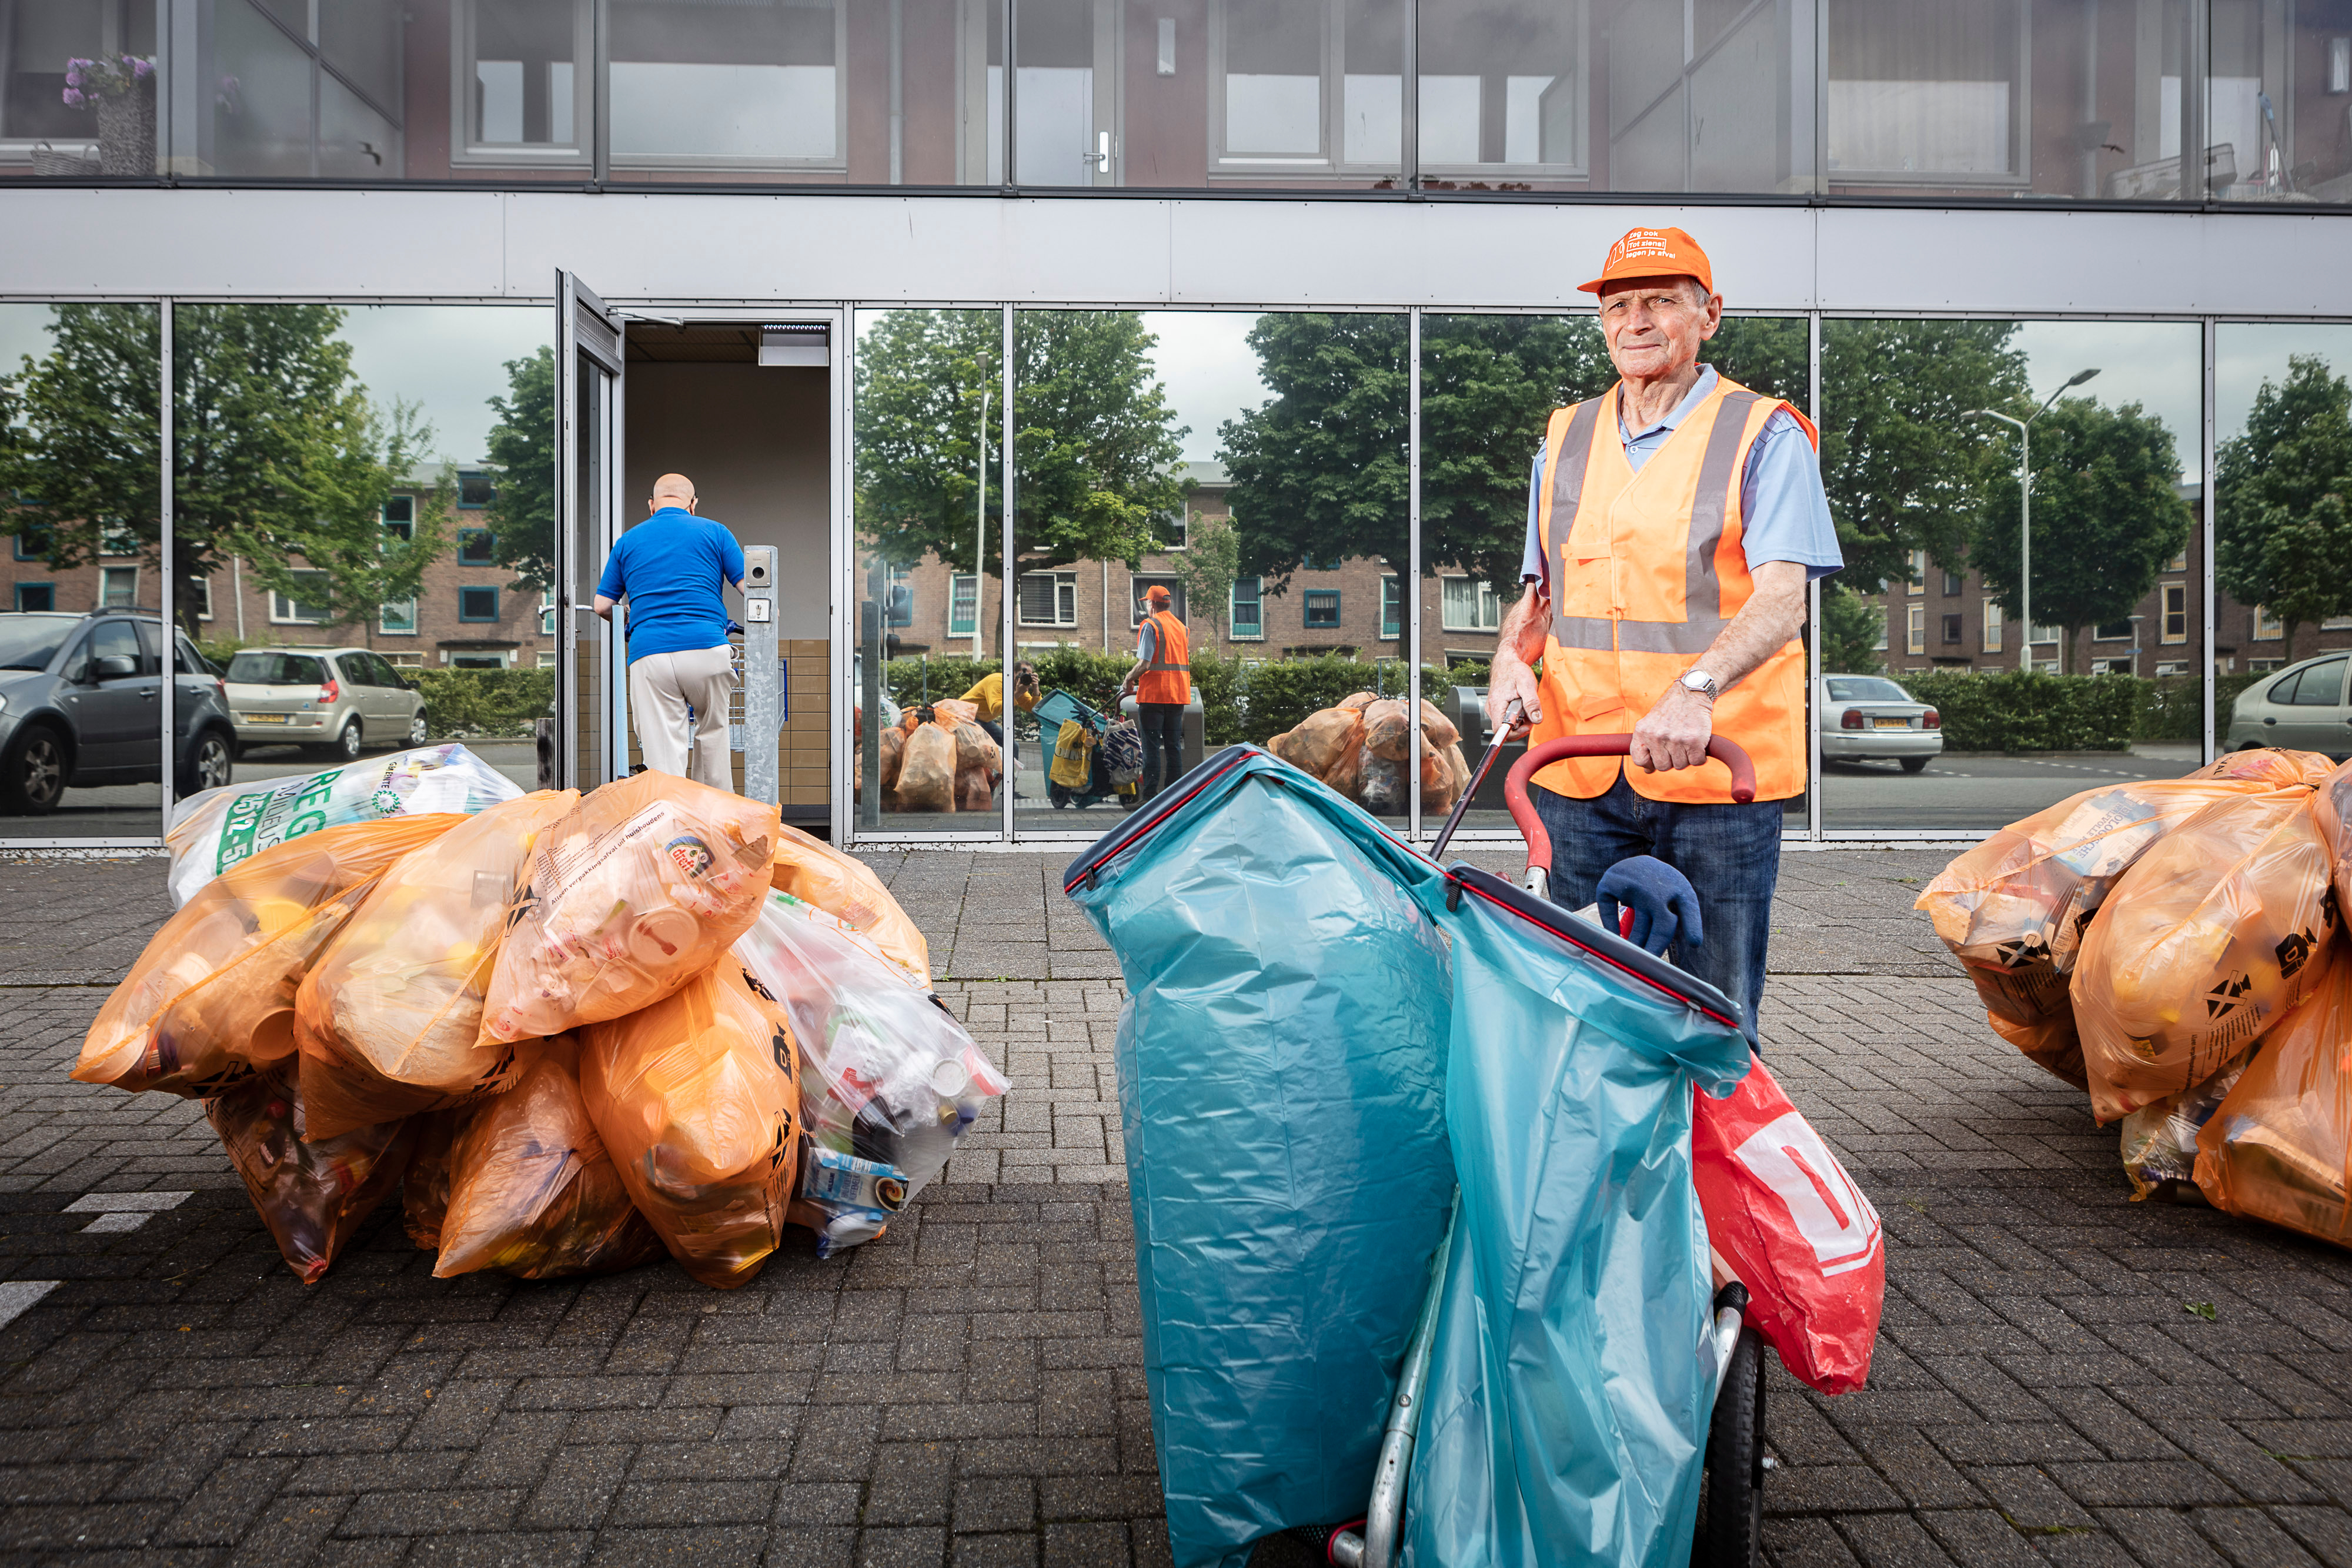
column 1470, row 605
column 475, row 489
column 1927, row 92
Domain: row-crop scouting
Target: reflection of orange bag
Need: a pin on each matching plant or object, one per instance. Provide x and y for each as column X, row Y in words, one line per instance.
column 845, row 888
column 640, row 888
column 927, row 770
column 311, row 1196
column 531, row 1191
column 389, row 1018
column 1321, row 739
column 697, row 1097
column 2214, row 932
column 2331, row 809
column 2280, row 1147
column 212, row 995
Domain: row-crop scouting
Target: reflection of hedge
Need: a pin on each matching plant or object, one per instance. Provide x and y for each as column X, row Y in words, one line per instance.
column 2029, row 711
column 484, row 703
column 2173, row 708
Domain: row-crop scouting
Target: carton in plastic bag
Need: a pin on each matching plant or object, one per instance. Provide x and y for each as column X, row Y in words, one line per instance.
column 2160, row 1139
column 215, row 829
column 2215, row 932
column 638, row 889
column 311, row 1195
column 389, row 1018
column 697, row 1102
column 212, row 994
column 890, row 1081
column 530, row 1190
column 846, row 888
column 2280, row 1147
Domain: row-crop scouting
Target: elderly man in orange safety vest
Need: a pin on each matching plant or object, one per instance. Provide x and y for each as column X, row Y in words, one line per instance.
column 1673, row 524
column 1162, row 680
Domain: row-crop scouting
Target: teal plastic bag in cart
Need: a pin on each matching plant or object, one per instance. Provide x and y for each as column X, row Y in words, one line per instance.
column 1281, row 1060
column 1565, row 1416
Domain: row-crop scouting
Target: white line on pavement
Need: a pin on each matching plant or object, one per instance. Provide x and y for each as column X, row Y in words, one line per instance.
column 15, row 1295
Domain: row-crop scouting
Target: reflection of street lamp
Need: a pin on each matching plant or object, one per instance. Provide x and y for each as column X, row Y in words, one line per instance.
column 2136, row 621
column 2025, row 497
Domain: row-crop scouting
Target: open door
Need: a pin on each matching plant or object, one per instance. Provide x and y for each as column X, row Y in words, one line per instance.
column 592, row 694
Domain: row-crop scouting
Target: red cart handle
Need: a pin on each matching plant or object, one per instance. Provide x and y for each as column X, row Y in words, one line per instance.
column 1523, row 811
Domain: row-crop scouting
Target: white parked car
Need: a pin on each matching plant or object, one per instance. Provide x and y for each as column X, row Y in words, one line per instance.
column 341, row 701
column 1867, row 718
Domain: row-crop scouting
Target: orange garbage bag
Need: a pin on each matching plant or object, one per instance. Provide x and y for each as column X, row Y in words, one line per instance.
column 633, row 893
column 531, row 1190
column 1322, row 739
column 697, row 1098
column 2280, row 1147
column 893, row 746
column 389, row 1018
column 425, row 1188
column 927, row 770
column 949, row 712
column 1388, row 731
column 311, row 1195
column 212, row 995
column 846, row 888
column 2213, row 933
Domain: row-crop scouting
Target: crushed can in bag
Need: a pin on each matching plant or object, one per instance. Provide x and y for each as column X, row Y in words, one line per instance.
column 529, row 1188
column 212, row 997
column 2279, row 1148
column 2160, row 1139
column 1793, row 1228
column 215, row 829
column 638, row 889
column 889, row 1081
column 2218, row 930
column 389, row 1017
column 310, row 1194
column 696, row 1100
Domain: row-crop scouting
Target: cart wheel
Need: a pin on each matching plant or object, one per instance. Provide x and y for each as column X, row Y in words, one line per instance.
column 1731, row 1497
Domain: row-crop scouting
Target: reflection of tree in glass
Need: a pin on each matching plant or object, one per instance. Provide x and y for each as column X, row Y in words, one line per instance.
column 1096, row 436
column 280, row 457
column 1850, row 628
column 1210, row 560
column 2282, row 536
column 521, row 450
column 2106, row 517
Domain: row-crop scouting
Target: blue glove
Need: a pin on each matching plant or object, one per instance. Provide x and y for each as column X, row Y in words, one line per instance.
column 1665, row 906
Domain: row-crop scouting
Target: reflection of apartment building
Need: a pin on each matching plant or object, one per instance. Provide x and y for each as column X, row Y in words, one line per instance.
column 1946, row 620
column 466, row 614
column 1354, row 606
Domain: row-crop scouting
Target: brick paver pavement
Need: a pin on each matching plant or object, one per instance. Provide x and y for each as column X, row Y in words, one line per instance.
column 968, row 1390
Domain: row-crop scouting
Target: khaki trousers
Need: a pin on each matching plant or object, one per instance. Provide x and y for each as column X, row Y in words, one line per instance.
column 661, row 686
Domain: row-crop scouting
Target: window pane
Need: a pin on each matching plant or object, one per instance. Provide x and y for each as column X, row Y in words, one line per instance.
column 1502, row 84
column 41, row 36
column 694, row 83
column 81, row 754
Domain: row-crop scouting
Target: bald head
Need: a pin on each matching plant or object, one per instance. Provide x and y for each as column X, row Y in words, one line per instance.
column 672, row 490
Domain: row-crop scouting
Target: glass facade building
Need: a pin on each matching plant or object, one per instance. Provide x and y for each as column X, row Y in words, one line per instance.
column 340, row 338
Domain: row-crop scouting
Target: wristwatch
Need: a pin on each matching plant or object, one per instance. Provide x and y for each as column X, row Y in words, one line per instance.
column 1700, row 683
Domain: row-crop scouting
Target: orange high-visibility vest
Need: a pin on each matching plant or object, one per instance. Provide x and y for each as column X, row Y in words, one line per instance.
column 1168, row 678
column 1646, row 570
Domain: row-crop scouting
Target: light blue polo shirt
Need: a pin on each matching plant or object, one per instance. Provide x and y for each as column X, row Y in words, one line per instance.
column 1784, row 512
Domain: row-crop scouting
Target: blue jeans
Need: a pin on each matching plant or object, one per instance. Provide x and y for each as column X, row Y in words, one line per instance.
column 1730, row 852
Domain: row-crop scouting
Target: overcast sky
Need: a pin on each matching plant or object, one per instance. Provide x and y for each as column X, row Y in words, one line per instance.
column 450, row 359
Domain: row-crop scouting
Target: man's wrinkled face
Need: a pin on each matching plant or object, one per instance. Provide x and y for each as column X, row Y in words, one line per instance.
column 1654, row 326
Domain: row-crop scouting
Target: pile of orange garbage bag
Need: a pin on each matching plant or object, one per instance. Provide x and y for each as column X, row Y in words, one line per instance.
column 557, row 1026
column 1364, row 749
column 938, row 758
column 2171, row 947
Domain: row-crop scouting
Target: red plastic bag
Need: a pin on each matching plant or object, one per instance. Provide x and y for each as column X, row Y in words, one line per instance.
column 1793, row 1228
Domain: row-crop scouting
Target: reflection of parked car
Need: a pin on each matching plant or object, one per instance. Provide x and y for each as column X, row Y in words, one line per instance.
column 81, row 701
column 342, row 700
column 1869, row 716
column 2303, row 707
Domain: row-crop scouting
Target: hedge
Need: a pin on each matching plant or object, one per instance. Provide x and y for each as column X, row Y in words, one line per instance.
column 484, row 703
column 2020, row 710
column 2173, row 708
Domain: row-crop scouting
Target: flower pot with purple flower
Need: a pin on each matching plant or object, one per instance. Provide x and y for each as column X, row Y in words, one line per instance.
column 121, row 90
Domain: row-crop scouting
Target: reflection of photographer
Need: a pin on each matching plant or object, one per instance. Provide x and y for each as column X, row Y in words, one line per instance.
column 987, row 694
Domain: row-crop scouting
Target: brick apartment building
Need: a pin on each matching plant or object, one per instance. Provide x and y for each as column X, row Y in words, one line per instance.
column 466, row 615
column 1354, row 606
column 1946, row 620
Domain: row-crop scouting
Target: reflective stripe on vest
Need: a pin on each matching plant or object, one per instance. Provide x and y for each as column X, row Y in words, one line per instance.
column 1627, row 623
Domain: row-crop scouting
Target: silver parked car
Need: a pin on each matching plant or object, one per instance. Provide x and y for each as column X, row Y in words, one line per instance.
column 341, row 701
column 2303, row 707
column 1869, row 718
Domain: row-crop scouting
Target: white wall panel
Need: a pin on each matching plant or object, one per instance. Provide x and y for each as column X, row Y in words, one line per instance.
column 1173, row 251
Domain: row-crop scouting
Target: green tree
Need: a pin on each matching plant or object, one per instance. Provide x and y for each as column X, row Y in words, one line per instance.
column 1850, row 627
column 280, row 457
column 2106, row 517
column 2278, row 539
column 1094, row 437
column 1211, row 560
column 521, row 514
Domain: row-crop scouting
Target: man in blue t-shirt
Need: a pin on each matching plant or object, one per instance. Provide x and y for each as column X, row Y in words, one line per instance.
column 673, row 568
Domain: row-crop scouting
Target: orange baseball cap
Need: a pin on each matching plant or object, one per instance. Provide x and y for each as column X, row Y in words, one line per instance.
column 1654, row 252
column 1158, row 594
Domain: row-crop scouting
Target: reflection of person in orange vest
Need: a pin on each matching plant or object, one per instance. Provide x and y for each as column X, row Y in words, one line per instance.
column 1672, row 523
column 1162, row 680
